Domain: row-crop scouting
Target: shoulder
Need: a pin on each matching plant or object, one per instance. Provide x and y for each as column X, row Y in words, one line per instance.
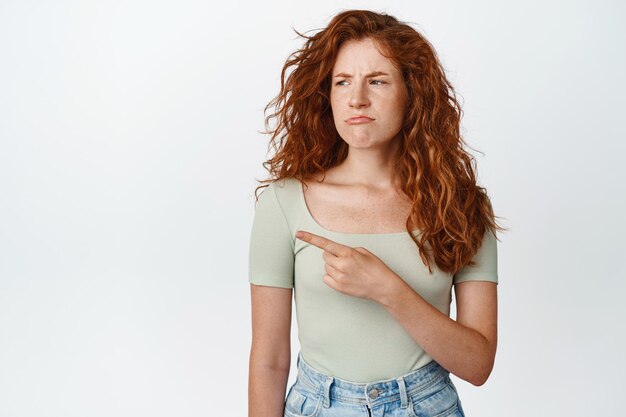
column 282, row 195
column 285, row 189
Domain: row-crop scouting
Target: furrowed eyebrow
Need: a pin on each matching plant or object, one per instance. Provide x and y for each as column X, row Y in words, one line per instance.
column 371, row 74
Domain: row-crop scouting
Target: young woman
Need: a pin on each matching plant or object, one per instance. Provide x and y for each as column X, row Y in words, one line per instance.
column 372, row 214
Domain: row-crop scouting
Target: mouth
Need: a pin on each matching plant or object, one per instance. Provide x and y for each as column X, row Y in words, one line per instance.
column 358, row 120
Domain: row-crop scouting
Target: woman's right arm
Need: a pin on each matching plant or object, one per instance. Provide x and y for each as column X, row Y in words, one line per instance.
column 270, row 353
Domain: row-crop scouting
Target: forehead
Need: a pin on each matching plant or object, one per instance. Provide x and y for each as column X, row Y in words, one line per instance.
column 361, row 56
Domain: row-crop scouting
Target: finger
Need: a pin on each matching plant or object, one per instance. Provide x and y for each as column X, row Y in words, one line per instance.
column 329, row 258
column 332, row 271
column 330, row 281
column 331, row 246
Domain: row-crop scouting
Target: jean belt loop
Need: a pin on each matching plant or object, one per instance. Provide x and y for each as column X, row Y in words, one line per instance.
column 327, row 383
column 403, row 397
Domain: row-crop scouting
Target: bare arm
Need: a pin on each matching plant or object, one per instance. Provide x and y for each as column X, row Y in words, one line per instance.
column 270, row 353
column 465, row 347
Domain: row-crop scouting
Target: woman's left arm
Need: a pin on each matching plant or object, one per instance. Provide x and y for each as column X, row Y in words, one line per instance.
column 465, row 347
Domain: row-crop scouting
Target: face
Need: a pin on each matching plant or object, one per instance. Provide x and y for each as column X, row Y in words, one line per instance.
column 365, row 83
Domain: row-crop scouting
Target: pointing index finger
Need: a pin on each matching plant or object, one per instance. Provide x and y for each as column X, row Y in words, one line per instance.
column 321, row 242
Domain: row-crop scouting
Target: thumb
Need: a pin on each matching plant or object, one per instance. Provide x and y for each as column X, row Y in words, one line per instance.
column 362, row 250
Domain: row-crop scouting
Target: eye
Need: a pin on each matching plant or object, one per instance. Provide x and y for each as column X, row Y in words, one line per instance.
column 379, row 81
column 339, row 82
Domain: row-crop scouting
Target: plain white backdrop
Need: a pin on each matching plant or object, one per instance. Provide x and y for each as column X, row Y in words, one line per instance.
column 129, row 149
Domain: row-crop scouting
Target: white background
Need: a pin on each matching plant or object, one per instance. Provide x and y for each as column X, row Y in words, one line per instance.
column 129, row 148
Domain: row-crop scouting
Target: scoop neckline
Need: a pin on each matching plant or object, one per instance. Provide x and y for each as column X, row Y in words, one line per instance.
column 300, row 185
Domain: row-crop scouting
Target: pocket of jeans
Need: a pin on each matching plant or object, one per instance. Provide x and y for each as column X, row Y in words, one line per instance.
column 438, row 401
column 301, row 403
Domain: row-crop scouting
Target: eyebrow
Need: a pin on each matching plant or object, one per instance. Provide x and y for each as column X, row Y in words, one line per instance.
column 371, row 74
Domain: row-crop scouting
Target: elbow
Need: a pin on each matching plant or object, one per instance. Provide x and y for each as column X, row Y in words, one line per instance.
column 479, row 381
column 482, row 371
column 482, row 375
column 273, row 357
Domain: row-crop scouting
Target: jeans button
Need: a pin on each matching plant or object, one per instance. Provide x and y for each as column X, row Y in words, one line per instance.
column 373, row 393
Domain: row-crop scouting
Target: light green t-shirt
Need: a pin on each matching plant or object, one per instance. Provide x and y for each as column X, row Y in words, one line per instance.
column 348, row 337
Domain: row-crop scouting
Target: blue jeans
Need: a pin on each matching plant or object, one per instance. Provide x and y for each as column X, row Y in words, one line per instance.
column 425, row 392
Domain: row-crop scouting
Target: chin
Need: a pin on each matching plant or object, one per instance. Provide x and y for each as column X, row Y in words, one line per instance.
column 365, row 143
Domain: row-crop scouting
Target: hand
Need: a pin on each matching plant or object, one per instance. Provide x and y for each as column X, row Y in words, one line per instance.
column 353, row 271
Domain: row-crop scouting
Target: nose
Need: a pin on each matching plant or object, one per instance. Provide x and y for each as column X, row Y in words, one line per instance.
column 358, row 97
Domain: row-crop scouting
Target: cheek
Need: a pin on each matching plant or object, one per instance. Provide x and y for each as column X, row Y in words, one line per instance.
column 401, row 104
column 335, row 108
column 334, row 100
column 397, row 110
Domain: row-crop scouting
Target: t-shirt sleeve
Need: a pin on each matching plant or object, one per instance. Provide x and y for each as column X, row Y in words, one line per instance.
column 486, row 267
column 271, row 252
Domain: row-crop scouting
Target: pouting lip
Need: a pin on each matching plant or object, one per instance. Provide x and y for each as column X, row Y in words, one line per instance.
column 358, row 117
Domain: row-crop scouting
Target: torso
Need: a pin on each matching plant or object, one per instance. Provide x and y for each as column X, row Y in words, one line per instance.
column 348, row 208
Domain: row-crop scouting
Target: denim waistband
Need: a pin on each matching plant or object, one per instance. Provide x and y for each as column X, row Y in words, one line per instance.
column 369, row 393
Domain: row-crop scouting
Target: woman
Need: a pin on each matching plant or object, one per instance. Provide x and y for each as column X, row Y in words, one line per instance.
column 370, row 166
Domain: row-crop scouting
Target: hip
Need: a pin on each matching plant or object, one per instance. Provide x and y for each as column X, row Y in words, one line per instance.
column 427, row 391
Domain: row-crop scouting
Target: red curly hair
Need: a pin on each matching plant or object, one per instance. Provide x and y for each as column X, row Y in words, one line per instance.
column 451, row 211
